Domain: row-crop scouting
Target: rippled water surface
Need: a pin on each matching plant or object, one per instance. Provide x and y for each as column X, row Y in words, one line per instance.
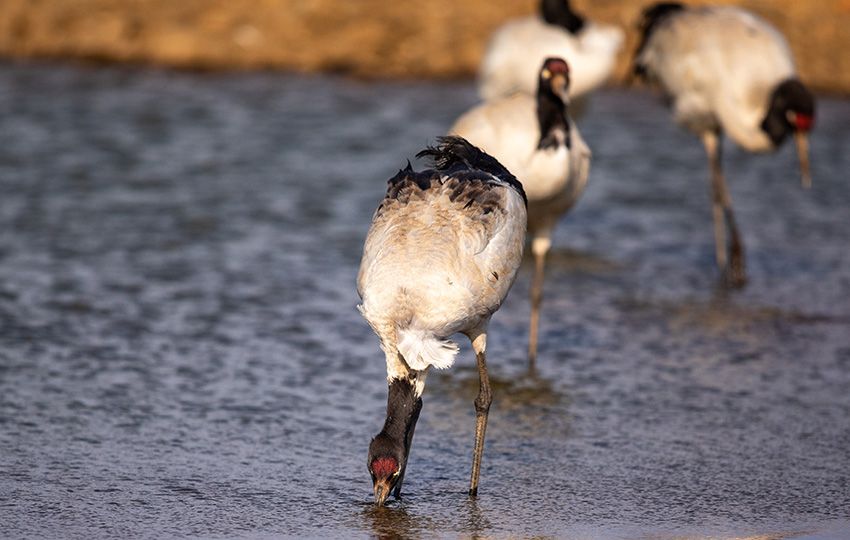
column 180, row 354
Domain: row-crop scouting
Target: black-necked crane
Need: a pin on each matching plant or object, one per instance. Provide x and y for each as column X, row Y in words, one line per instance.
column 726, row 71
column 440, row 257
column 535, row 139
column 518, row 48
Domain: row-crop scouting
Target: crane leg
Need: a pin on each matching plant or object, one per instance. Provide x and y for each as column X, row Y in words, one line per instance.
column 734, row 273
column 539, row 248
column 482, row 407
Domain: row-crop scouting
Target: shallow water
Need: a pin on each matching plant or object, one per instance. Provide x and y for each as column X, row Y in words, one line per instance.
column 180, row 355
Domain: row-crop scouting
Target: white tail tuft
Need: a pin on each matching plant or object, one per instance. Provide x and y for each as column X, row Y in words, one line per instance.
column 421, row 349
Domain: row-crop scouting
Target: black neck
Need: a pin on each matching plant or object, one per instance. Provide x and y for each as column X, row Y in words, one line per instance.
column 558, row 12
column 552, row 117
column 403, row 408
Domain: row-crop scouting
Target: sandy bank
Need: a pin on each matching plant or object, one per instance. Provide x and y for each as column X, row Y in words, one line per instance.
column 370, row 38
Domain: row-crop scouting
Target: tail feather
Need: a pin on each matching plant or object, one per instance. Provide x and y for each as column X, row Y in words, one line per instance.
column 454, row 154
column 422, row 350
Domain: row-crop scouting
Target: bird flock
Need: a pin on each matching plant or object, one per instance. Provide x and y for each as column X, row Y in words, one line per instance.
column 446, row 242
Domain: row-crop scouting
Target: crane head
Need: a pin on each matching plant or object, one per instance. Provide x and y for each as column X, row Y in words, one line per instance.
column 555, row 75
column 792, row 110
column 385, row 462
column 385, row 473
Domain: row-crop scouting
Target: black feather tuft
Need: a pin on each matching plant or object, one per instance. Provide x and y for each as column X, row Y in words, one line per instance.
column 396, row 184
column 652, row 17
column 455, row 155
column 451, row 151
column 559, row 13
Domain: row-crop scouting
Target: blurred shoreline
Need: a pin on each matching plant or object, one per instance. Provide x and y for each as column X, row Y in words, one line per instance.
column 437, row 39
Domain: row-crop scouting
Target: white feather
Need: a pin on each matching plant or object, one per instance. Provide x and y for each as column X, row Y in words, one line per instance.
column 421, row 349
column 719, row 65
column 517, row 50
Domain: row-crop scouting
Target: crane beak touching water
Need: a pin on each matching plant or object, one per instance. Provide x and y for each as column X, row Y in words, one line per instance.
column 382, row 490
column 802, row 140
column 802, row 124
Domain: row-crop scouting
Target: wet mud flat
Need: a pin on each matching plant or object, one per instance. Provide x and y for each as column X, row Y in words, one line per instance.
column 180, row 355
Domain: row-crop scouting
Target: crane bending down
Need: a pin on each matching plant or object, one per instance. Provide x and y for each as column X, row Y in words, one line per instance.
column 535, row 139
column 440, row 257
column 726, row 70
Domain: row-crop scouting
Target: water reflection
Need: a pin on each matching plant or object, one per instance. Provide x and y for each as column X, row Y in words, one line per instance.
column 722, row 313
column 407, row 519
column 475, row 523
column 394, row 521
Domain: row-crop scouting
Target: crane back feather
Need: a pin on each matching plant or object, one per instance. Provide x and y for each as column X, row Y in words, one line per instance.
column 442, row 252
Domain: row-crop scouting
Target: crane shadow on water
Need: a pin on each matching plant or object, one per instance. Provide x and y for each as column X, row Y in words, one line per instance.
column 567, row 259
column 529, row 402
column 723, row 314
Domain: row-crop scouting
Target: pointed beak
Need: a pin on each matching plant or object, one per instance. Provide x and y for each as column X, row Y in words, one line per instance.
column 802, row 140
column 560, row 86
column 382, row 491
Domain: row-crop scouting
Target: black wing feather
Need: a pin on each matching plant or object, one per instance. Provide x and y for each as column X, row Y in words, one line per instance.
column 466, row 171
column 458, row 157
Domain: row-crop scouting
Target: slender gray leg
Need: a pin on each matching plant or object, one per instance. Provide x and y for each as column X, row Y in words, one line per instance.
column 539, row 248
column 482, row 407
column 733, row 269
